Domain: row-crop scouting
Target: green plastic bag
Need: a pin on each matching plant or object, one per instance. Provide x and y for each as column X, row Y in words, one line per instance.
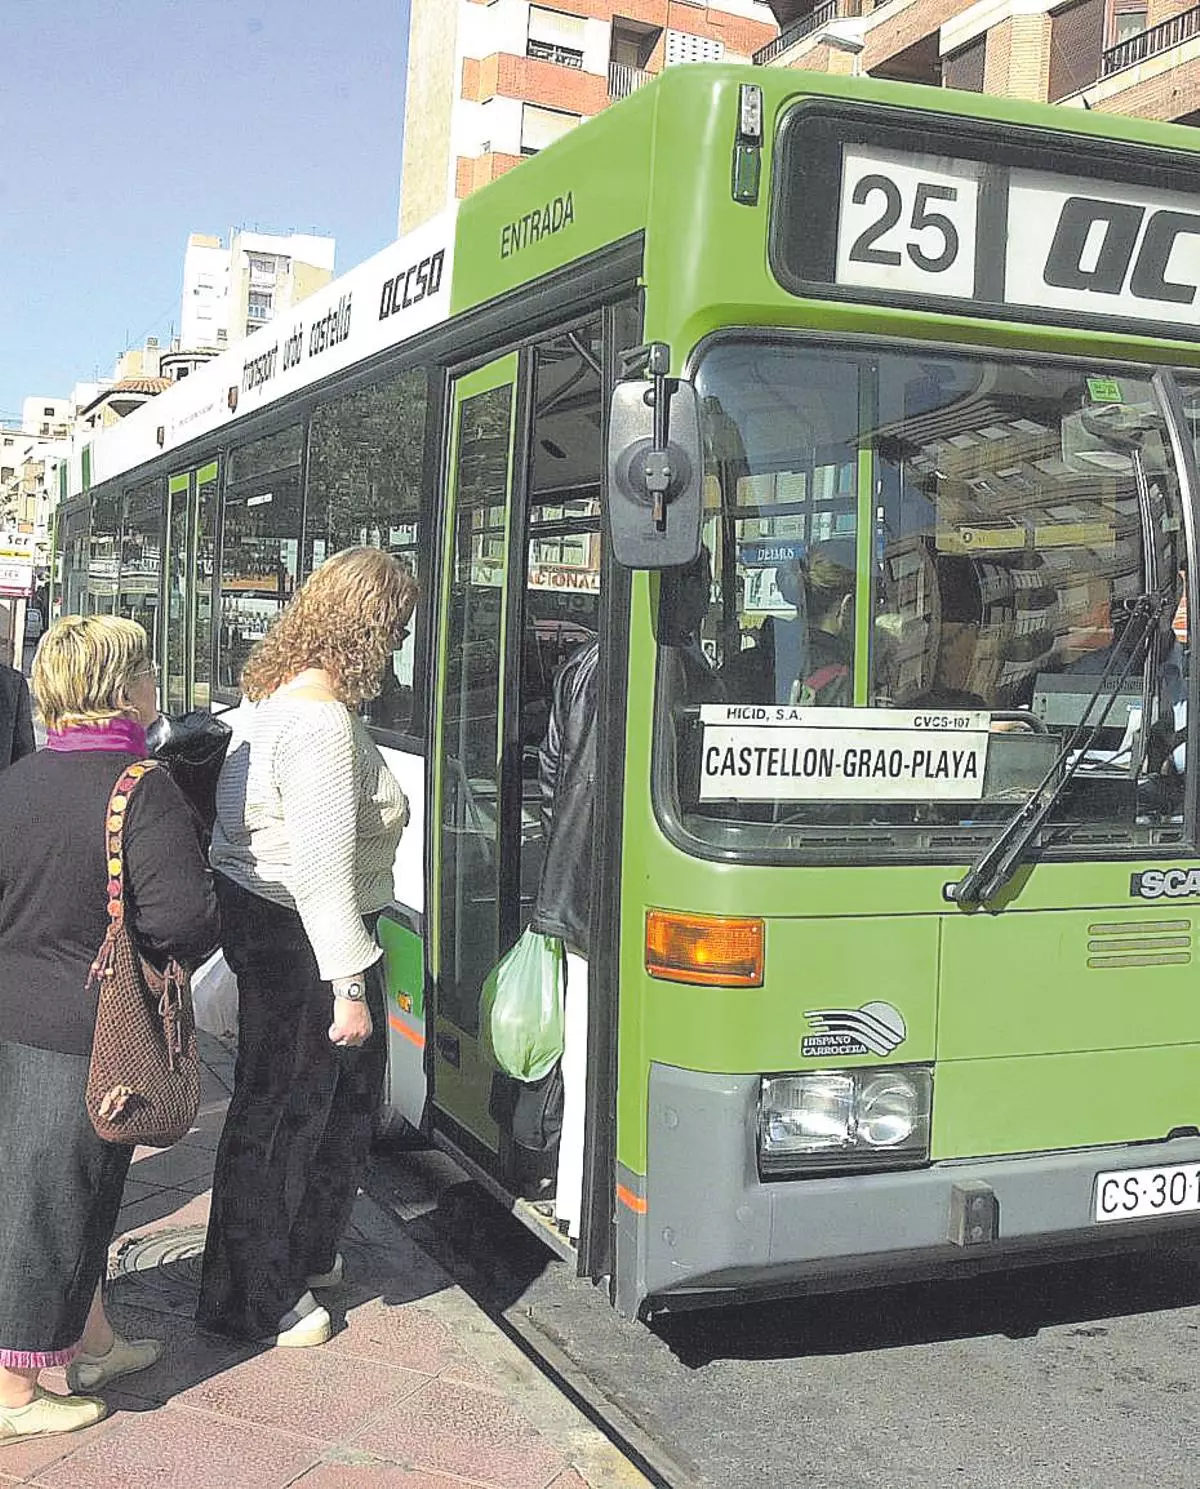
column 521, row 1007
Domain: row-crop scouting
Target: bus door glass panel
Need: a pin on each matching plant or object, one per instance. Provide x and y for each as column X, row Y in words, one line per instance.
column 204, row 570
column 469, row 760
column 562, row 562
column 260, row 547
column 141, row 562
column 105, row 551
column 179, row 581
column 1017, row 508
column 365, row 463
column 76, row 561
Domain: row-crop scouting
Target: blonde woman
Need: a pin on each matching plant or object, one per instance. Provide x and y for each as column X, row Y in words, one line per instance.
column 308, row 822
column 95, row 688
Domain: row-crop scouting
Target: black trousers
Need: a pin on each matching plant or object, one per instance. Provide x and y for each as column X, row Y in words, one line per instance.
column 294, row 1147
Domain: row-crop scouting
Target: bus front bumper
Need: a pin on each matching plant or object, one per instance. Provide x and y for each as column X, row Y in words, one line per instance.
column 702, row 1225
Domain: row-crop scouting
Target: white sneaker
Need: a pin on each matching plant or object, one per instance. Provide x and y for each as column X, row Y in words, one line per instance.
column 333, row 1278
column 302, row 1326
column 48, row 1414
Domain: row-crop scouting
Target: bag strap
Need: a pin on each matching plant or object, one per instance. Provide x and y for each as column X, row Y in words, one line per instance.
column 114, row 838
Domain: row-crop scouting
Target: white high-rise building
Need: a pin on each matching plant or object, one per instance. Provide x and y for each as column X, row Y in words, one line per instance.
column 204, row 313
column 489, row 84
column 228, row 292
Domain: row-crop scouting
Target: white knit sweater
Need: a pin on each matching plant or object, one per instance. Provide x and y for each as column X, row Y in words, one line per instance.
column 309, row 816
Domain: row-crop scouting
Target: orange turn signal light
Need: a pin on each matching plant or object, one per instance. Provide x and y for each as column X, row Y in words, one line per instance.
column 709, row 950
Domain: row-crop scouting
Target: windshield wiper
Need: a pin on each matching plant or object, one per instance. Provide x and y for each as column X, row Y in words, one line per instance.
column 996, row 865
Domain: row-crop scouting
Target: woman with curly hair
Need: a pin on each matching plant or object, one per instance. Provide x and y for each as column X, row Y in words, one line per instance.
column 308, row 821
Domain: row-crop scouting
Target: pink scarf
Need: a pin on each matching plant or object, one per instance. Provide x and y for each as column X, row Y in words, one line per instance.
column 124, row 734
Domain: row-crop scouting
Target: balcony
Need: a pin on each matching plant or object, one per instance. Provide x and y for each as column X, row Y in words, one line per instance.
column 624, row 79
column 821, row 15
column 1160, row 38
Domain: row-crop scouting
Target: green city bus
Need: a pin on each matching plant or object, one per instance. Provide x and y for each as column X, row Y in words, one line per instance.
column 855, row 425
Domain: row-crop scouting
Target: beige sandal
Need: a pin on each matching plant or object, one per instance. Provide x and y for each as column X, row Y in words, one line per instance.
column 48, row 1414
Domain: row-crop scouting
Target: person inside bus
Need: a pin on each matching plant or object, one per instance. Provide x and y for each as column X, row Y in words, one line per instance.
column 308, row 822
column 567, row 785
column 96, row 692
column 809, row 658
column 954, row 635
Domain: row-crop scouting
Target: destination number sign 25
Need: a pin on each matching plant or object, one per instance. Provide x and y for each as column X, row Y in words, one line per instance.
column 935, row 226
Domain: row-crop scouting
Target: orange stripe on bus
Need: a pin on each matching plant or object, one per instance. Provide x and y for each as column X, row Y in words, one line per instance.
column 402, row 1028
column 634, row 1202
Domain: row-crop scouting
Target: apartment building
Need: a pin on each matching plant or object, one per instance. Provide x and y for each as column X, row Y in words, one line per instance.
column 1139, row 57
column 491, row 81
column 229, row 292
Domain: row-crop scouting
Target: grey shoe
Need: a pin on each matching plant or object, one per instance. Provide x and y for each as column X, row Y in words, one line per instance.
column 124, row 1357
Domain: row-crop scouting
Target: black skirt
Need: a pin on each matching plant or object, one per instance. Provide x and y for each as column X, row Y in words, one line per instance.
column 62, row 1197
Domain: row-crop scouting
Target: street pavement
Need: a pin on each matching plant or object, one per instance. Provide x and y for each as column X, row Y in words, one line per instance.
column 418, row 1389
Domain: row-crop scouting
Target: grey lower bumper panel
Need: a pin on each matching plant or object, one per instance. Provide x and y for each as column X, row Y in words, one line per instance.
column 711, row 1226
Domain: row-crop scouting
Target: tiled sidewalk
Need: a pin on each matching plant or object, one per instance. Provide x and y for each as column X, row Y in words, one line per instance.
column 417, row 1390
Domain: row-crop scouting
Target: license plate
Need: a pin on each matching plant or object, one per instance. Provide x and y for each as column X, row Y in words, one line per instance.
column 1134, row 1193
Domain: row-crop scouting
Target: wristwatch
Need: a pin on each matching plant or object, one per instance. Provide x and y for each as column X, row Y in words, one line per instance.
column 353, row 990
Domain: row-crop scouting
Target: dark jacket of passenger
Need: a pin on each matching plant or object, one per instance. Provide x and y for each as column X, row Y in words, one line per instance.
column 16, row 718
column 567, row 777
column 53, row 888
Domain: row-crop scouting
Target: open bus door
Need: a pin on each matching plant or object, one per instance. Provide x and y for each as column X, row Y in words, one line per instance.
column 521, row 595
column 187, row 610
column 471, row 902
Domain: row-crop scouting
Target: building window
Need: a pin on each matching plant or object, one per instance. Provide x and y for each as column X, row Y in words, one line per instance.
column 260, row 305
column 554, row 37
column 48, row 412
column 261, row 264
column 1128, row 23
column 541, row 127
column 549, row 51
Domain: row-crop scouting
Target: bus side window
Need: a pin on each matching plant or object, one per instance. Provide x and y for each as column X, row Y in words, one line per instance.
column 260, row 546
column 365, row 466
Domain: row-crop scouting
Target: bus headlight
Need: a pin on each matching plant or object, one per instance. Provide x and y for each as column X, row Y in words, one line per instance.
column 848, row 1119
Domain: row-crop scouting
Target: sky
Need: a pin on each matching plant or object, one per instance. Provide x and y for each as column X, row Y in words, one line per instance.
column 125, row 125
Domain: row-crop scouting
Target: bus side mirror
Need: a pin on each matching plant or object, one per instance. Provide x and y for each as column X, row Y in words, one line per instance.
column 655, row 473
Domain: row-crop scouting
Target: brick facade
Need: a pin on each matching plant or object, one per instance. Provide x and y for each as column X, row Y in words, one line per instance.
column 1163, row 10
column 817, row 53
column 1168, row 95
column 533, row 81
column 739, row 33
column 1017, row 61
column 476, row 171
column 905, row 28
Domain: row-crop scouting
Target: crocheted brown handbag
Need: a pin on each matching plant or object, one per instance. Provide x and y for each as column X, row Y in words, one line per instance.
column 145, row 1042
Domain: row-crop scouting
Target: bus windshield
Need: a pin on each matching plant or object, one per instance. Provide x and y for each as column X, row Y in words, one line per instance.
column 915, row 570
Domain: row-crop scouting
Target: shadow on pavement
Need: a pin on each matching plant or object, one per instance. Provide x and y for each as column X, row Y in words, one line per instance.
column 1014, row 1304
